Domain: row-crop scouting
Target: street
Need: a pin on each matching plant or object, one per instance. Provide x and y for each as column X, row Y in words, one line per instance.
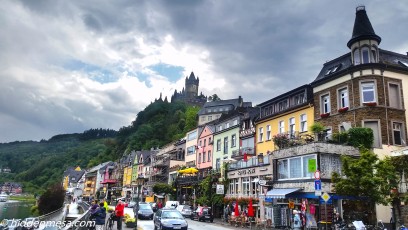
column 193, row 225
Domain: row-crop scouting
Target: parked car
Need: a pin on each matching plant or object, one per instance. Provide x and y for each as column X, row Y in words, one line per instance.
column 145, row 211
column 31, row 223
column 172, row 204
column 203, row 214
column 169, row 218
column 185, row 210
column 11, row 224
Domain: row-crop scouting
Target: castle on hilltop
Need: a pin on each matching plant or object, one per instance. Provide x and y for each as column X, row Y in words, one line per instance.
column 189, row 94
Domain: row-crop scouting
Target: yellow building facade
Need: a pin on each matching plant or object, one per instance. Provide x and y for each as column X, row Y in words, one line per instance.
column 290, row 115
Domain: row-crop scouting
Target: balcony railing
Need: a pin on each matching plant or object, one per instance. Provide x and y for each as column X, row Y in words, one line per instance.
column 189, row 179
column 239, row 154
column 249, row 163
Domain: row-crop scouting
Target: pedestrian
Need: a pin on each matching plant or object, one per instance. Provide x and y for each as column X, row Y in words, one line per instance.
column 100, row 216
column 120, row 212
column 94, row 207
column 297, row 225
column 159, row 205
column 105, row 205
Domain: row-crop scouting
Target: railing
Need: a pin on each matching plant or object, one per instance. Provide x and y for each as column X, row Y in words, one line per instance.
column 249, row 163
column 250, row 151
column 189, row 179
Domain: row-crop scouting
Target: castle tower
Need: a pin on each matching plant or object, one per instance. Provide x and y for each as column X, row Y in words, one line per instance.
column 191, row 88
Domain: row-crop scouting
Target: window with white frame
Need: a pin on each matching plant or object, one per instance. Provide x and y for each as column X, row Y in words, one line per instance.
column 236, row 186
column 296, row 167
column 303, row 123
column 203, row 118
column 365, row 55
column 190, row 150
column 219, row 127
column 325, row 103
column 245, row 186
column 209, row 118
column 233, row 140
column 219, row 145
column 209, row 155
column 254, row 185
column 368, row 91
column 204, row 157
column 231, row 187
column 218, row 164
column 225, row 145
column 357, row 57
column 199, row 158
column 268, row 132
column 227, row 125
column 343, row 98
column 292, row 126
column 281, row 127
column 260, row 134
column 397, row 133
column 235, row 122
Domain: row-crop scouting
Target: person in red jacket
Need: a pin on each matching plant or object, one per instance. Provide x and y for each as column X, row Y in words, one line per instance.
column 120, row 212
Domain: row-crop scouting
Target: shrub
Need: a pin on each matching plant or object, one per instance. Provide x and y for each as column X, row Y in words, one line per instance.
column 340, row 138
column 281, row 140
column 361, row 137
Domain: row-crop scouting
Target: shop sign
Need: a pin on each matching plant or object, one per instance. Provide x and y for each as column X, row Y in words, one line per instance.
column 311, row 165
column 291, row 204
column 220, row 189
column 246, row 171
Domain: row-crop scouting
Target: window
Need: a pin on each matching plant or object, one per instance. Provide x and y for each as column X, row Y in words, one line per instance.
column 365, row 55
column 292, row 127
column 205, row 142
column 394, row 95
column 245, row 186
column 192, row 136
column 282, row 105
column 219, row 127
column 260, row 135
column 299, row 99
column 203, row 118
column 397, row 133
column 217, row 165
column 209, row 118
column 190, row 150
column 200, row 143
column 376, row 131
column 254, row 185
column 209, row 141
column 303, row 123
column 343, row 98
column 199, row 158
column 325, row 103
column 357, row 57
column 227, row 125
column 235, row 122
column 281, row 127
column 209, row 156
column 233, row 140
column 225, row 145
column 268, row 132
column 204, row 157
column 219, row 145
column 231, row 187
column 236, row 186
column 296, row 168
column 368, row 92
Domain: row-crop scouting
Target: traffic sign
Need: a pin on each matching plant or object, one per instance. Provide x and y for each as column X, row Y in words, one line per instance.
column 317, row 175
column 262, row 182
column 325, row 196
column 318, row 185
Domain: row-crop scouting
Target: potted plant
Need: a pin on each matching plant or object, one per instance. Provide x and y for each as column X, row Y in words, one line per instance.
column 343, row 110
column 324, row 115
column 130, row 222
column 281, row 140
column 318, row 129
column 370, row 103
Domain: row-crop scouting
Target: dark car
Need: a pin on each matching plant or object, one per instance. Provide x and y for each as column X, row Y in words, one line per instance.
column 203, row 214
column 145, row 211
column 169, row 218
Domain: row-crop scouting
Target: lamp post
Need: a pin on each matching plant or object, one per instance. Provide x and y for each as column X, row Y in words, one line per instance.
column 139, row 182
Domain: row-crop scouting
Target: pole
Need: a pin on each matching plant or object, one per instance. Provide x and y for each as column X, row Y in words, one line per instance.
column 325, row 214
column 137, row 205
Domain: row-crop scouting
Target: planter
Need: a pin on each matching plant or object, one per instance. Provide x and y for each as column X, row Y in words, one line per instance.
column 131, row 224
column 370, row 103
column 343, row 110
column 324, row 115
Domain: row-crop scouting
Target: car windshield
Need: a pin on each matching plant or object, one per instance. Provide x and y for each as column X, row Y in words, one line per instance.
column 144, row 207
column 172, row 215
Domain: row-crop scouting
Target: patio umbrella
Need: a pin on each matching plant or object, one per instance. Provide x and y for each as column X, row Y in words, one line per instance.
column 236, row 210
column 191, row 170
column 250, row 209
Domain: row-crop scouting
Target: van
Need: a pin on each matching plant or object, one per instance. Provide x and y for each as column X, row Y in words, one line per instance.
column 172, row 204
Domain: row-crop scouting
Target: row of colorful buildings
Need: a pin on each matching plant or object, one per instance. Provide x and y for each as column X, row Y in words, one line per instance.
column 271, row 143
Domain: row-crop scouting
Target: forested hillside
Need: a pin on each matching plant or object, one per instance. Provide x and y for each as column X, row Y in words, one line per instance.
column 40, row 164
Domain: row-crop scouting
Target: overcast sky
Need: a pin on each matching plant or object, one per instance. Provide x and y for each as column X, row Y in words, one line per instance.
column 68, row 66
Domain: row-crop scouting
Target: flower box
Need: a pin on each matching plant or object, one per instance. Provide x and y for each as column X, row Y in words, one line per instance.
column 370, row 103
column 324, row 115
column 344, row 109
column 131, row 224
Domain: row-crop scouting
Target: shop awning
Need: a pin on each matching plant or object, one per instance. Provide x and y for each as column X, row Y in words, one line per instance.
column 159, row 196
column 281, row 192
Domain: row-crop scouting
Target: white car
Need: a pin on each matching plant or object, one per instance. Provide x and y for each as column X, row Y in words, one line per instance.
column 185, row 210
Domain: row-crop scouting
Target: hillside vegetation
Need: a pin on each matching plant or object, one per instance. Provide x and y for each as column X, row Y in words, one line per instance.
column 38, row 165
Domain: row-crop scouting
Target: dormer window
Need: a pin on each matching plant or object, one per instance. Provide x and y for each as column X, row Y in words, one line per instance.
column 365, row 55
column 357, row 57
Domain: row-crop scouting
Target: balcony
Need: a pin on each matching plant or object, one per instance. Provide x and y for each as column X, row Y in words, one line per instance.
column 183, row 180
column 252, row 162
column 108, row 181
column 247, row 132
column 239, row 154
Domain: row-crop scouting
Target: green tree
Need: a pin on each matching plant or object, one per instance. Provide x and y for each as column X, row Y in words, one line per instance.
column 214, row 97
column 160, row 188
column 52, row 199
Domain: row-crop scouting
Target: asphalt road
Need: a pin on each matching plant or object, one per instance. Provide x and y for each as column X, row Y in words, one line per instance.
column 192, row 225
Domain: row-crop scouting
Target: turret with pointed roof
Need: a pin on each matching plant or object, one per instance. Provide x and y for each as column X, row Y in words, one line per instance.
column 189, row 93
column 363, row 29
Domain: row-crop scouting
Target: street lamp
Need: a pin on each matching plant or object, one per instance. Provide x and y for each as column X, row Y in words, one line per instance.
column 139, row 182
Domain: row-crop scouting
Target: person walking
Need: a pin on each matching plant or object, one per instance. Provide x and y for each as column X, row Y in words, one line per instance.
column 100, row 216
column 120, row 212
column 105, row 205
